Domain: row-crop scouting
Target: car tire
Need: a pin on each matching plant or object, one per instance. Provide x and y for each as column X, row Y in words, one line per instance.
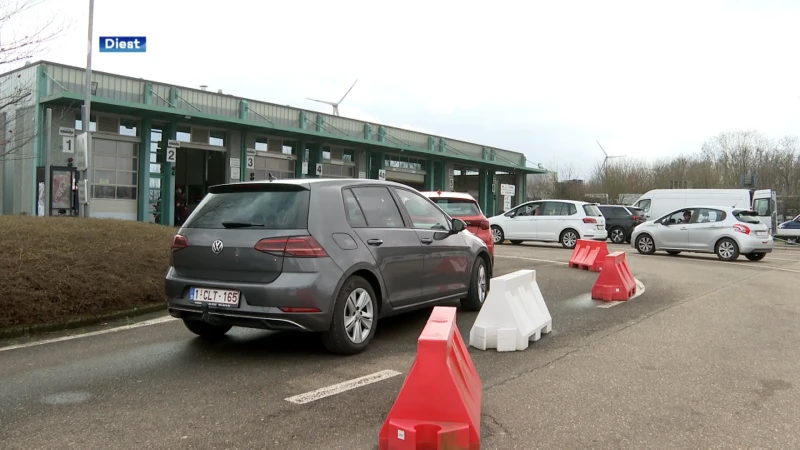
column 338, row 339
column 617, row 235
column 516, row 242
column 755, row 256
column 727, row 250
column 569, row 238
column 673, row 252
column 497, row 235
column 478, row 287
column 645, row 244
column 206, row 330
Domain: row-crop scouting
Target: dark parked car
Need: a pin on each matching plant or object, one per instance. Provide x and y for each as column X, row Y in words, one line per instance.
column 319, row 255
column 620, row 221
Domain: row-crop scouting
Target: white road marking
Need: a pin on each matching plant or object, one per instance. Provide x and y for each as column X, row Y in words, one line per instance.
column 639, row 291
column 92, row 333
column 328, row 391
column 532, row 259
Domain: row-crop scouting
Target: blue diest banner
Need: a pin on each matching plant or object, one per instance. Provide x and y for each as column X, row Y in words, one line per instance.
column 123, row 44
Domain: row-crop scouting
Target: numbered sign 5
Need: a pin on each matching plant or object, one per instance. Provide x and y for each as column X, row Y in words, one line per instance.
column 251, row 161
column 68, row 144
column 171, row 154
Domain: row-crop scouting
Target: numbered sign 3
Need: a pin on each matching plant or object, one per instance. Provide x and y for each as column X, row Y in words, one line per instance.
column 171, row 154
column 68, row 144
column 251, row 161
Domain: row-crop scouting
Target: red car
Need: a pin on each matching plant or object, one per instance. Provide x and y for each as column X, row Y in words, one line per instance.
column 465, row 207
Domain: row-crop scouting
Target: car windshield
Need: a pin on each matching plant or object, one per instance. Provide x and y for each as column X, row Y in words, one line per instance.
column 592, row 210
column 277, row 207
column 746, row 216
column 457, row 207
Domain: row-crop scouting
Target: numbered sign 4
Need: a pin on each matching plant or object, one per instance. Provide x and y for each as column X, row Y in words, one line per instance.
column 251, row 161
column 68, row 144
column 171, row 154
column 319, row 169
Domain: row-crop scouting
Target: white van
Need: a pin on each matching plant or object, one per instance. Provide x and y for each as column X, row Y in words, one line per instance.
column 659, row 202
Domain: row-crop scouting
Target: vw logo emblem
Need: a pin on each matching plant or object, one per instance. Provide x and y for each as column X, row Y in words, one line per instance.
column 217, row 246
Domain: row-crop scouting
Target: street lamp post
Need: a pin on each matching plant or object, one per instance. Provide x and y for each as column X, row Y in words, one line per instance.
column 86, row 114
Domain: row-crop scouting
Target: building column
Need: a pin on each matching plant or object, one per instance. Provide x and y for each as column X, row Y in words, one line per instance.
column 429, row 175
column 314, row 158
column 144, row 170
column 483, row 190
column 491, row 197
column 377, row 161
column 243, row 156
column 439, row 181
column 168, row 179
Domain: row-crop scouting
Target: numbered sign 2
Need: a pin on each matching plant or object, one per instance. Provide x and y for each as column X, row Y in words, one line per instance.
column 251, row 161
column 68, row 144
column 171, row 154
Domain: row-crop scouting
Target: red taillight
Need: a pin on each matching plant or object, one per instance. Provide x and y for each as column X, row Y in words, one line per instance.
column 635, row 217
column 299, row 310
column 294, row 246
column 179, row 242
column 741, row 228
column 484, row 224
column 589, row 220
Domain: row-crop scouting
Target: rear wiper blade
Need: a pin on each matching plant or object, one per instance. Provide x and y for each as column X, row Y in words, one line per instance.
column 233, row 224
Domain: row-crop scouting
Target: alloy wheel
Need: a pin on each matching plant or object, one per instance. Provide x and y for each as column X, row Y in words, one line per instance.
column 569, row 239
column 617, row 236
column 726, row 249
column 496, row 235
column 482, row 283
column 358, row 315
column 646, row 244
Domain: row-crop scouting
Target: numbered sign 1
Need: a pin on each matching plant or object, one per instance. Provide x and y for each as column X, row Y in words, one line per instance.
column 171, row 154
column 68, row 144
column 251, row 161
column 319, row 169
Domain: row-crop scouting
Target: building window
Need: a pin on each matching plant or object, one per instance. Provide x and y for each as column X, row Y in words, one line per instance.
column 262, row 144
column 279, row 168
column 288, row 147
column 217, row 138
column 349, row 155
column 128, row 127
column 155, row 139
column 114, row 170
column 405, row 162
column 92, row 123
column 326, row 153
column 184, row 134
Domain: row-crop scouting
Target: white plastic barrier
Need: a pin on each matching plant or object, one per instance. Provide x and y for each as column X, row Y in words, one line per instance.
column 513, row 314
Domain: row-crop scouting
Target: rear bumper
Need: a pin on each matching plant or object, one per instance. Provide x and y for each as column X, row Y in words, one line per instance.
column 756, row 246
column 596, row 235
column 259, row 304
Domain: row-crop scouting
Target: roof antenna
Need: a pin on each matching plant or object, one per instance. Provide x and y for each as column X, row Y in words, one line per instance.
column 271, row 176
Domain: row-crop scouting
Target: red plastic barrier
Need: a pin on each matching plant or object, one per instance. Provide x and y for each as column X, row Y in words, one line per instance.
column 439, row 405
column 589, row 255
column 615, row 282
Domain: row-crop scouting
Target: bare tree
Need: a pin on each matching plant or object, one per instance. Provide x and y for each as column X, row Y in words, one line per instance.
column 18, row 44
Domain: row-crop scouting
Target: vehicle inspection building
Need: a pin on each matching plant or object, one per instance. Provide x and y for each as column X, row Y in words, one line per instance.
column 156, row 148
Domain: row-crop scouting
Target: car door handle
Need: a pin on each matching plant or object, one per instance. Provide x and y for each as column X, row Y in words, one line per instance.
column 375, row 242
column 426, row 240
column 684, row 229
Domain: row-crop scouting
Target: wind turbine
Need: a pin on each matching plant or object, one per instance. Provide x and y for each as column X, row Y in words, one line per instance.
column 607, row 155
column 335, row 104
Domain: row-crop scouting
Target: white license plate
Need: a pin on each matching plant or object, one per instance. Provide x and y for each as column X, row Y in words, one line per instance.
column 216, row 297
column 601, row 227
column 761, row 233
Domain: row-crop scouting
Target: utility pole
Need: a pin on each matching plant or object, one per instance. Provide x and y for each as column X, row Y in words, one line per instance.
column 86, row 114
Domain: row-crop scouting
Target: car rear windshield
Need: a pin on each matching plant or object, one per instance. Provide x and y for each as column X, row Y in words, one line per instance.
column 746, row 216
column 592, row 211
column 636, row 211
column 274, row 207
column 457, row 207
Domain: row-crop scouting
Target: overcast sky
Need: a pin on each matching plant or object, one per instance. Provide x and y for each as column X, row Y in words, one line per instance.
column 547, row 78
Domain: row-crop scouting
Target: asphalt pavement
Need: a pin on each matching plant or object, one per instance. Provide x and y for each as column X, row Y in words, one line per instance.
column 706, row 357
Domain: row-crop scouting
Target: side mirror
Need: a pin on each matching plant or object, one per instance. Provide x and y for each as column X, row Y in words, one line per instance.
column 457, row 226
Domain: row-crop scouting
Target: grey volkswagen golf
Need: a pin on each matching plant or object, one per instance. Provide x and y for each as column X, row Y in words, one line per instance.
column 319, row 255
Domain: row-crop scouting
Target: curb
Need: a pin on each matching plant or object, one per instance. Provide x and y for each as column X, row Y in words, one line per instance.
column 14, row 332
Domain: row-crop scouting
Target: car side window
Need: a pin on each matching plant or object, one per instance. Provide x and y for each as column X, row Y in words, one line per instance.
column 572, row 209
column 378, row 207
column 531, row 209
column 710, row 215
column 554, row 209
column 424, row 215
column 355, row 216
column 644, row 205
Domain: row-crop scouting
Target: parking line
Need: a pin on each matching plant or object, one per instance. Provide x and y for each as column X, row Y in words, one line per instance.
column 532, row 259
column 752, row 265
column 328, row 391
column 91, row 333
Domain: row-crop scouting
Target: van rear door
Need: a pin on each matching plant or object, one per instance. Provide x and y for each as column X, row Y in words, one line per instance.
column 765, row 204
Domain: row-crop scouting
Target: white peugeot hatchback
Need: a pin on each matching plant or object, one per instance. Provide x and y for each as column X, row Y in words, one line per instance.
column 563, row 221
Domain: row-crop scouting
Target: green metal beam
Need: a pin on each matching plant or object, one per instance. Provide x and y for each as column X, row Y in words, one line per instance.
column 144, row 171
column 168, row 179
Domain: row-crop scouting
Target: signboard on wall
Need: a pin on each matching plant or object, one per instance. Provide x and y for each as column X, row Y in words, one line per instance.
column 235, row 163
column 382, row 174
column 81, row 158
column 362, row 174
column 506, row 202
column 66, row 131
column 173, row 143
column 508, row 190
column 304, row 168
